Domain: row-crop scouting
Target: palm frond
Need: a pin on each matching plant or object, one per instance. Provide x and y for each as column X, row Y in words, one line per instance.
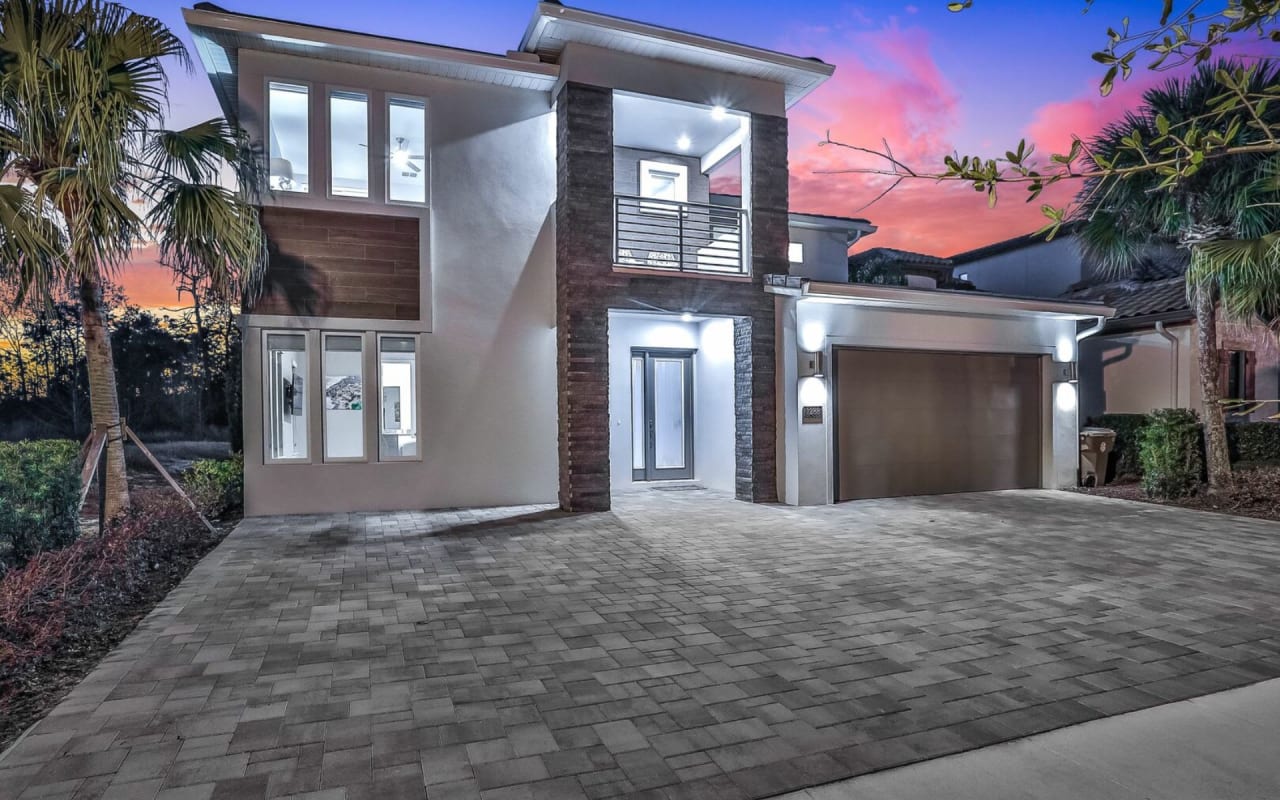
column 1246, row 272
column 31, row 243
column 212, row 232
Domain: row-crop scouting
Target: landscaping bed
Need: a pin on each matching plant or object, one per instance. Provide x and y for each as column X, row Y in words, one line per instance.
column 1256, row 494
column 67, row 608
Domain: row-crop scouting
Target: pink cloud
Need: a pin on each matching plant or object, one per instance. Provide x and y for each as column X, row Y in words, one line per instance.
column 887, row 87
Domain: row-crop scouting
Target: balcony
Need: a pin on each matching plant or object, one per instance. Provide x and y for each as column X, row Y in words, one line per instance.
column 680, row 187
column 651, row 233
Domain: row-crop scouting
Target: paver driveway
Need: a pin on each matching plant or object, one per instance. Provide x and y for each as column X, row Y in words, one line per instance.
column 685, row 645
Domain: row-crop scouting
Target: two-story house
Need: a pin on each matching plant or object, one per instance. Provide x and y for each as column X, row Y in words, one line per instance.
column 570, row 269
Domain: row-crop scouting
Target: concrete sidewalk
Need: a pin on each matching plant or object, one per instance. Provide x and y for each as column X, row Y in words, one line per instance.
column 1224, row 746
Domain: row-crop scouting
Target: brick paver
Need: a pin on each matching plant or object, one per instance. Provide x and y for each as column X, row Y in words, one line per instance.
column 683, row 645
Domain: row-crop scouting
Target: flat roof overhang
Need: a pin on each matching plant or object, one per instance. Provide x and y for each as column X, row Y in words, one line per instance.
column 554, row 25
column 942, row 301
column 220, row 35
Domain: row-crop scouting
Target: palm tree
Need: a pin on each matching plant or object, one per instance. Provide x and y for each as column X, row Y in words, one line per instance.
column 82, row 99
column 1224, row 212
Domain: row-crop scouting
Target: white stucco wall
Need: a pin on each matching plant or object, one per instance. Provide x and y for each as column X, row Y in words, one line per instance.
column 1134, row 373
column 714, row 434
column 808, row 325
column 713, row 425
column 487, row 356
column 826, row 254
column 1044, row 269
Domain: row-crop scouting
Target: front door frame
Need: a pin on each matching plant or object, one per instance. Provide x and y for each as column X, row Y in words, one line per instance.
column 650, row 472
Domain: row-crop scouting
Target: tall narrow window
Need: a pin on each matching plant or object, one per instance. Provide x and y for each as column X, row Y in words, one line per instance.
column 343, row 397
column 349, row 144
column 398, row 398
column 288, row 112
column 406, row 150
column 285, row 397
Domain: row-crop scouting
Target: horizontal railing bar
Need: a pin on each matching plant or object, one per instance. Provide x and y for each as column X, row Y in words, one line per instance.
column 669, row 235
column 638, row 200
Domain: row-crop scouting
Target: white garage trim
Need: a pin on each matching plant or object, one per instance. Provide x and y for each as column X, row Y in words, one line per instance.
column 818, row 317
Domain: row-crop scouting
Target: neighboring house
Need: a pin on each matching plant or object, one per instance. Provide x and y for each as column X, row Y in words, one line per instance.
column 1146, row 357
column 888, row 265
column 570, row 269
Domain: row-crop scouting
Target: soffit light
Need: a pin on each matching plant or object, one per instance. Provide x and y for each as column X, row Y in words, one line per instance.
column 684, row 142
column 719, row 112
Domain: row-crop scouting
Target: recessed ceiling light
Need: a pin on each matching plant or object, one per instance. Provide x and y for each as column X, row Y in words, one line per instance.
column 719, row 112
column 684, row 142
column 686, row 317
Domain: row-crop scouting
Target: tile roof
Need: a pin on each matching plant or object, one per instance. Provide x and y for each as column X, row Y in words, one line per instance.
column 1157, row 286
column 891, row 255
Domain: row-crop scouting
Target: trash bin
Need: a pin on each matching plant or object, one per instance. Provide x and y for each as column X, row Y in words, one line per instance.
column 1096, row 445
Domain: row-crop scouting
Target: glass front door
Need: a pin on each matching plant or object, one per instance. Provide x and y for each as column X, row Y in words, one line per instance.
column 661, row 415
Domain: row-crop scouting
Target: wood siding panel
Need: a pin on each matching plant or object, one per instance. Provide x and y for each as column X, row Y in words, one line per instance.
column 336, row 264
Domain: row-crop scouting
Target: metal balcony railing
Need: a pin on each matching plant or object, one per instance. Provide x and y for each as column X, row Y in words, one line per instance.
column 682, row 237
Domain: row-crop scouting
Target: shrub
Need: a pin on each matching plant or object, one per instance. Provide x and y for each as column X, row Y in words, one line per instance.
column 1125, row 461
column 1171, row 453
column 1254, row 441
column 39, row 489
column 77, row 589
column 217, row 485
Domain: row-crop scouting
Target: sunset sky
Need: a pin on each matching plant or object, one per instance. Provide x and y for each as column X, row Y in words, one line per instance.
column 926, row 80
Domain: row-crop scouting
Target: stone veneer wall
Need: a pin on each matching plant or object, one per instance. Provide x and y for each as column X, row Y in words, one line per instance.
column 587, row 287
column 336, row 264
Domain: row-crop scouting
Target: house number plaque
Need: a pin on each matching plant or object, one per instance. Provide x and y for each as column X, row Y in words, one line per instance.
column 810, row 415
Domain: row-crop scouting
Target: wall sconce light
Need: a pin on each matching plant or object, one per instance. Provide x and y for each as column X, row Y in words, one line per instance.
column 811, row 365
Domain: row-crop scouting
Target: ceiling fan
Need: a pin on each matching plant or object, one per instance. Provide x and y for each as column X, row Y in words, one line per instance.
column 402, row 158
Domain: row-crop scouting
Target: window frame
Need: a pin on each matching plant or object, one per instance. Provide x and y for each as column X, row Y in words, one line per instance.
column 650, row 165
column 267, row 458
column 363, row 458
column 331, row 89
column 417, row 397
column 661, row 206
column 387, row 99
column 310, row 86
column 1246, row 360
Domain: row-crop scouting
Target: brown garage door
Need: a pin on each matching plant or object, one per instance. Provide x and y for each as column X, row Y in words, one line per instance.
column 911, row 422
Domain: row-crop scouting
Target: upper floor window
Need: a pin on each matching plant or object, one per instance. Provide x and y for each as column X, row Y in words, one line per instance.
column 348, row 144
column 289, row 150
column 406, row 150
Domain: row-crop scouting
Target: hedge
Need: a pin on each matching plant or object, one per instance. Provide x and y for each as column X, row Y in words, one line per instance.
column 39, row 487
column 1171, row 452
column 1247, row 442
column 1254, row 441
